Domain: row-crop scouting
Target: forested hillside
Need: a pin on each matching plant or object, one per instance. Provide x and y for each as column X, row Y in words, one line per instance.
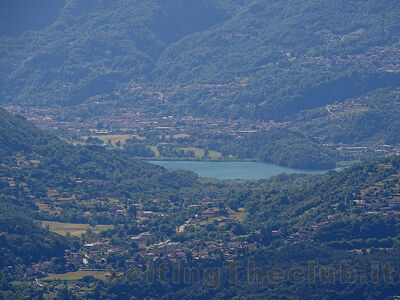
column 262, row 59
column 134, row 216
column 37, row 168
column 35, row 165
column 286, row 56
column 370, row 119
column 93, row 47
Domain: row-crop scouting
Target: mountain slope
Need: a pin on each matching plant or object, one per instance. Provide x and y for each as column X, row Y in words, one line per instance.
column 36, row 165
column 260, row 59
column 369, row 120
column 24, row 242
column 286, row 56
column 94, row 46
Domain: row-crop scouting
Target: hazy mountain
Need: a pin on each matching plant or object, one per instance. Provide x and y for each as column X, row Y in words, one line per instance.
column 92, row 47
column 260, row 59
column 286, row 56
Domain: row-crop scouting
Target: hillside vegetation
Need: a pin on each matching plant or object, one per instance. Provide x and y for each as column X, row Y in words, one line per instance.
column 37, row 166
column 367, row 120
column 260, row 59
column 281, row 222
column 93, row 47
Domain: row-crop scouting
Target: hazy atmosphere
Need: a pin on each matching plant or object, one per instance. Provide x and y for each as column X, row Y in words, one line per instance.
column 199, row 149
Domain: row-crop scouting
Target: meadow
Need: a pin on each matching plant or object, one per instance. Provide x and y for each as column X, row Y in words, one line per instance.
column 73, row 229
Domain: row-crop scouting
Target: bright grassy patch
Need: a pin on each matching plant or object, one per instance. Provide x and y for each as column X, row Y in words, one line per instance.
column 214, row 154
column 179, row 136
column 239, row 216
column 199, row 153
column 74, row 229
column 114, row 138
column 347, row 163
column 155, row 150
column 99, row 228
column 71, row 276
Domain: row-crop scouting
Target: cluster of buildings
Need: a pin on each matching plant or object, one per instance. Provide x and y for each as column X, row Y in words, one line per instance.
column 382, row 198
column 385, row 59
column 194, row 250
column 95, row 256
column 136, row 121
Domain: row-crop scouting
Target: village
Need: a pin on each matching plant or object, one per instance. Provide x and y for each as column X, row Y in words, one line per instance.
column 113, row 126
column 143, row 112
column 127, row 120
column 102, row 255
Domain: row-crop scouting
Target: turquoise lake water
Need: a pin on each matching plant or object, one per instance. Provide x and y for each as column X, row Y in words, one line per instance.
column 232, row 170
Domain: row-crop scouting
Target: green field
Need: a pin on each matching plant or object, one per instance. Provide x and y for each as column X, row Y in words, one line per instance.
column 155, row 150
column 73, row 229
column 214, row 154
column 71, row 276
column 199, row 153
column 239, row 216
column 349, row 163
column 114, row 138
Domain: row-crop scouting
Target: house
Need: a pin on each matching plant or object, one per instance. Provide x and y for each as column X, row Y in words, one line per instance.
column 74, row 258
column 52, row 193
column 359, row 202
column 276, row 233
column 147, row 214
column 207, row 200
column 144, row 214
column 97, row 245
column 193, row 206
column 141, row 237
column 78, row 180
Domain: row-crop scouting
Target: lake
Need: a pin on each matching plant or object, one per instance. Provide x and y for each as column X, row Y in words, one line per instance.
column 232, row 170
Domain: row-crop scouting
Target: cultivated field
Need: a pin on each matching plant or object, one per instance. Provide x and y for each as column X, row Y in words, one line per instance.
column 199, row 153
column 73, row 229
column 114, row 138
column 71, row 276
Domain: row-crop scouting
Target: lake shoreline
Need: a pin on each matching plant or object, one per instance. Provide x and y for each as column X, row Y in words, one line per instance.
column 247, row 170
column 177, row 159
